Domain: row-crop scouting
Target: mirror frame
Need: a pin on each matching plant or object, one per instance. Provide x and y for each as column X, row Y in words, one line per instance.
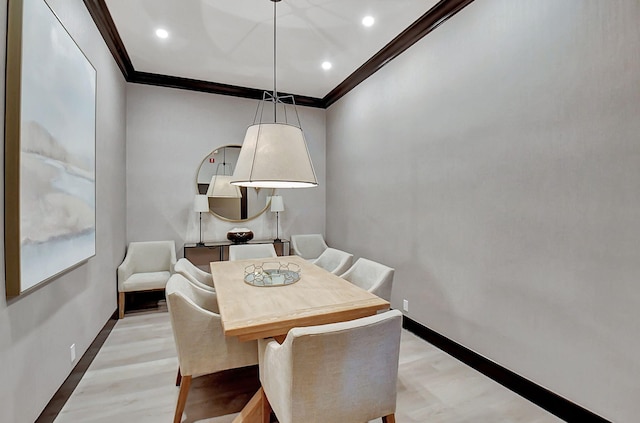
column 226, row 219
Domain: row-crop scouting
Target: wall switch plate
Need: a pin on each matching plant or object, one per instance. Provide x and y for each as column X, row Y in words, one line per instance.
column 405, row 305
column 72, row 348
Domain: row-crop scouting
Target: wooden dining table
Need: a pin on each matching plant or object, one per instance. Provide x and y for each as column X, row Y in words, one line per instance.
column 256, row 312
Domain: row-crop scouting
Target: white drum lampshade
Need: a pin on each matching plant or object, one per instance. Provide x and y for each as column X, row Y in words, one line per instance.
column 274, row 155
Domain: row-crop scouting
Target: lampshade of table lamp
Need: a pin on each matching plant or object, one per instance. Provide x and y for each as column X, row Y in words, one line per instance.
column 277, row 205
column 201, row 205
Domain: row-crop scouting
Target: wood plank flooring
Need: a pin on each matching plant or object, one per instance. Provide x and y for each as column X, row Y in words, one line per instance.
column 132, row 379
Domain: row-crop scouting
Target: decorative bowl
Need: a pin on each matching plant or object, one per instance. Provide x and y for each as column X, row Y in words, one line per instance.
column 272, row 274
column 239, row 235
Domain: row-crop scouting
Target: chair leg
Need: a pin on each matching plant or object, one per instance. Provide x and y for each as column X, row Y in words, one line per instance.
column 182, row 398
column 391, row 418
column 179, row 377
column 266, row 408
column 121, row 304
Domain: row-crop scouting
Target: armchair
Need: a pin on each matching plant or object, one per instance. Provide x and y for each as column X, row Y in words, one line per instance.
column 194, row 274
column 371, row 276
column 339, row 372
column 308, row 246
column 200, row 342
column 147, row 266
column 334, row 261
column 251, row 251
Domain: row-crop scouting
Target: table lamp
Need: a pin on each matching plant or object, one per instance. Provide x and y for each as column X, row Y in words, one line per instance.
column 201, row 205
column 277, row 206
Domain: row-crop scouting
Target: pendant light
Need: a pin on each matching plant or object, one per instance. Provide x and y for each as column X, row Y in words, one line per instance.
column 274, row 154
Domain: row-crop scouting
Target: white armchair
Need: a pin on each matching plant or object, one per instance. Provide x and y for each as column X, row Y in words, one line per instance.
column 371, row 276
column 147, row 266
column 334, row 261
column 200, row 342
column 308, row 246
column 195, row 275
column 340, row 372
column 251, row 251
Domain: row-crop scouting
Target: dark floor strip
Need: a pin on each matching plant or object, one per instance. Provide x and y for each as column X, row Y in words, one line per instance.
column 59, row 399
column 553, row 403
column 136, row 302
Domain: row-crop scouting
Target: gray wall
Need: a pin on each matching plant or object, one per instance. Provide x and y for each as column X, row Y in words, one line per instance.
column 36, row 331
column 495, row 165
column 170, row 132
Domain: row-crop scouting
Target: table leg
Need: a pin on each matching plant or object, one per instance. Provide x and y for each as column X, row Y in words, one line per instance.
column 257, row 410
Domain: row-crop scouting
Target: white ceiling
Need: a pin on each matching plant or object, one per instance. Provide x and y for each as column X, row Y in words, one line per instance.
column 231, row 42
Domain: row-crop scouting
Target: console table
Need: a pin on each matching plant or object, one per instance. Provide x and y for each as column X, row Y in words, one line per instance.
column 202, row 255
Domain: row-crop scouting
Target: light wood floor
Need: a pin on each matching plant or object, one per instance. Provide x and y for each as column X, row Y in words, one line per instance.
column 132, row 379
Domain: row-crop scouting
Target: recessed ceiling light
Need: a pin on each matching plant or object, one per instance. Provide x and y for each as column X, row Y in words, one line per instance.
column 326, row 65
column 162, row 33
column 368, row 21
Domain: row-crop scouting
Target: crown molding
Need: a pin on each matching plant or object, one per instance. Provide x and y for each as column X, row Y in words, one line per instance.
column 102, row 18
column 432, row 19
column 214, row 87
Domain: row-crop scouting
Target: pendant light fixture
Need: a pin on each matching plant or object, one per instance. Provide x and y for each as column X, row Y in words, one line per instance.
column 274, row 154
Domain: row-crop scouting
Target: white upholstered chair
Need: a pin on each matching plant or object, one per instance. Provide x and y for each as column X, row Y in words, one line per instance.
column 147, row 266
column 340, row 372
column 371, row 276
column 195, row 275
column 251, row 251
column 308, row 246
column 200, row 342
column 334, row 261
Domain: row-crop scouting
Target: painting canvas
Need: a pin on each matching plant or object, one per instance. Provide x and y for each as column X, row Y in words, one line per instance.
column 56, row 137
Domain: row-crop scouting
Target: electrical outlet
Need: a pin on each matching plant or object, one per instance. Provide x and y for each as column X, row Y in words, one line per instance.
column 405, row 305
column 72, row 349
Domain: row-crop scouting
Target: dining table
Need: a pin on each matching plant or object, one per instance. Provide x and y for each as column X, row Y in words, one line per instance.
column 251, row 312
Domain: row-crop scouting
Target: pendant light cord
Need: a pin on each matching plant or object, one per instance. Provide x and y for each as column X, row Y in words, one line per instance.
column 275, row 92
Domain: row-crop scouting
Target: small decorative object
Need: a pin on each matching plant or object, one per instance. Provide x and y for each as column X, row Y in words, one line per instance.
column 239, row 235
column 272, row 274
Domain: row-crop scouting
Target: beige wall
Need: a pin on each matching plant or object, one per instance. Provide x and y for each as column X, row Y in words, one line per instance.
column 170, row 132
column 37, row 330
column 495, row 165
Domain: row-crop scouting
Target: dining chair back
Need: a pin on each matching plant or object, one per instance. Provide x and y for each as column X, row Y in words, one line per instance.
column 194, row 274
column 251, row 251
column 339, row 372
column 371, row 276
column 334, row 261
column 308, row 246
column 200, row 341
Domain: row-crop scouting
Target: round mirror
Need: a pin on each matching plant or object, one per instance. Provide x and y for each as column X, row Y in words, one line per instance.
column 226, row 201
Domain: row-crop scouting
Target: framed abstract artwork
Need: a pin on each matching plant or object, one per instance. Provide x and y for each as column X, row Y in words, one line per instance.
column 50, row 129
